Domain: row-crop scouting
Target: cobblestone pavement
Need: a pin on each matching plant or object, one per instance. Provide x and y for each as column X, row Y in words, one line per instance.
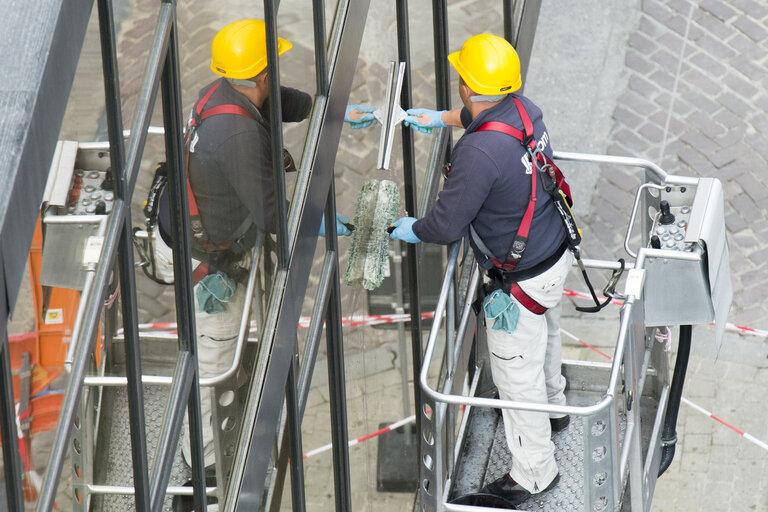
column 678, row 82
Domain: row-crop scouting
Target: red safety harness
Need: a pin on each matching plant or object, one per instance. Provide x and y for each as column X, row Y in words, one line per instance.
column 538, row 161
column 201, row 237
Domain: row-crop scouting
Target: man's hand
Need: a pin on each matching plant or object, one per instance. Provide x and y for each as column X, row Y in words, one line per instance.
column 403, row 230
column 359, row 116
column 423, row 119
column 343, row 227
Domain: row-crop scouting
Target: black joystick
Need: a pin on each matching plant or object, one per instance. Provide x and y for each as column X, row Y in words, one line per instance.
column 101, row 207
column 655, row 242
column 666, row 215
column 109, row 181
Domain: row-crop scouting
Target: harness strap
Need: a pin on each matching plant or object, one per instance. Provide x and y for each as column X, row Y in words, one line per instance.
column 526, row 300
column 526, row 137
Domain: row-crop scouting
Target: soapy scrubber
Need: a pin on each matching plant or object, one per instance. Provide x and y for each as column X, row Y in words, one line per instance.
column 368, row 253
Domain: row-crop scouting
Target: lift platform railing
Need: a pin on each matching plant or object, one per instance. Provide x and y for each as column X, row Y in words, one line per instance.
column 635, row 357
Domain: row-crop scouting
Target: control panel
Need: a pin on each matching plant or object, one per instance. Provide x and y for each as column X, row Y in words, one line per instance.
column 669, row 228
column 91, row 193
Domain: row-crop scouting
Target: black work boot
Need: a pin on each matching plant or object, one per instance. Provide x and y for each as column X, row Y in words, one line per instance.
column 512, row 492
column 559, row 424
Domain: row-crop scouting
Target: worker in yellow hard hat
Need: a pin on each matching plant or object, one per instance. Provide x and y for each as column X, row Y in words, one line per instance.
column 518, row 238
column 230, row 173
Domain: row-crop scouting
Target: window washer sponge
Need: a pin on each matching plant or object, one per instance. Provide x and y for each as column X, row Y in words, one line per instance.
column 368, row 254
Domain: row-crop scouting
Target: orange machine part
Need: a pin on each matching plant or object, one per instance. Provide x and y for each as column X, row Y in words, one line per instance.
column 54, row 320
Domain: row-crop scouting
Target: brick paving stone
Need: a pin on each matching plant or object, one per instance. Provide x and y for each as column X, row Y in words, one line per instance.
column 755, row 31
column 644, row 44
column 711, row 24
column 665, row 59
column 719, row 9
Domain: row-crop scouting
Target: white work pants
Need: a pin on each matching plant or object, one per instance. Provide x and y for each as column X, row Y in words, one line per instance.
column 526, row 366
column 216, row 343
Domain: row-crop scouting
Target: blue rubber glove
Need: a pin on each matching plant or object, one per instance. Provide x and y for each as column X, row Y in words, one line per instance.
column 404, row 230
column 341, row 229
column 435, row 119
column 365, row 121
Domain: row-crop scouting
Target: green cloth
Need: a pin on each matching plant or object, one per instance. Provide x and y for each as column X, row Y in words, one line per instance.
column 213, row 291
column 499, row 306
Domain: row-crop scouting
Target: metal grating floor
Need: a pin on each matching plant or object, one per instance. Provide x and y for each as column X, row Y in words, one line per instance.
column 114, row 446
column 476, row 469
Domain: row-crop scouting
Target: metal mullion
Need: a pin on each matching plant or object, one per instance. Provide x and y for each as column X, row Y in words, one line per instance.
column 442, row 73
column 11, row 458
column 316, row 325
column 277, row 348
column 409, row 174
column 186, row 386
column 336, row 380
column 169, row 435
column 526, row 30
column 275, row 123
column 508, row 19
column 87, row 333
column 125, row 259
column 321, row 65
column 294, row 427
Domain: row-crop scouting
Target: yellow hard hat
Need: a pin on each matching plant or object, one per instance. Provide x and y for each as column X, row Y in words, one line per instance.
column 239, row 50
column 488, row 64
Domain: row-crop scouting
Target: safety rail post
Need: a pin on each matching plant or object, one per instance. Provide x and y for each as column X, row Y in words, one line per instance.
column 125, row 259
column 431, row 461
column 186, row 386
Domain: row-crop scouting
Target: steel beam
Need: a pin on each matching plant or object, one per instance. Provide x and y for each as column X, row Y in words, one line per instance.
column 268, row 385
column 186, row 385
column 125, row 259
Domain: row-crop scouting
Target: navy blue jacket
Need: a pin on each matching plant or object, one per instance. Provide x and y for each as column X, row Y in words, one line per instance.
column 489, row 186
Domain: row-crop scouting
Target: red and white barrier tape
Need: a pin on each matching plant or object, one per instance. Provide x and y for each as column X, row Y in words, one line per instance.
column 346, row 321
column 353, row 442
column 745, row 435
column 368, row 320
column 728, row 327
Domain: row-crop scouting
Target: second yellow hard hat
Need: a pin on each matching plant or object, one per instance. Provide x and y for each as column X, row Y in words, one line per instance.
column 239, row 50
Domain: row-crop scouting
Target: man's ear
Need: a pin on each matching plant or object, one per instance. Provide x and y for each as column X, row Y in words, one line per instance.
column 465, row 90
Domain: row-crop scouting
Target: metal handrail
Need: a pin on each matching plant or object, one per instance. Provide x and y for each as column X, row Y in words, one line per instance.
column 627, row 161
column 448, row 398
column 241, row 338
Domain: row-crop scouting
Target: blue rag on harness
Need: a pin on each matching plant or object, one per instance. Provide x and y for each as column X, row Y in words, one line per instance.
column 500, row 307
column 213, row 291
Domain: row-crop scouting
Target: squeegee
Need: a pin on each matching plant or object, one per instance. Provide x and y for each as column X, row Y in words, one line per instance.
column 368, row 254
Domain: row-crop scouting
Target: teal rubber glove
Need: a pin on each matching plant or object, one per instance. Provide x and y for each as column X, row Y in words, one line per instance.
column 403, row 230
column 365, row 121
column 342, row 226
column 431, row 119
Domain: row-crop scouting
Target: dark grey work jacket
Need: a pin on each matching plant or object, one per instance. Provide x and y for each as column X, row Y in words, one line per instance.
column 230, row 166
